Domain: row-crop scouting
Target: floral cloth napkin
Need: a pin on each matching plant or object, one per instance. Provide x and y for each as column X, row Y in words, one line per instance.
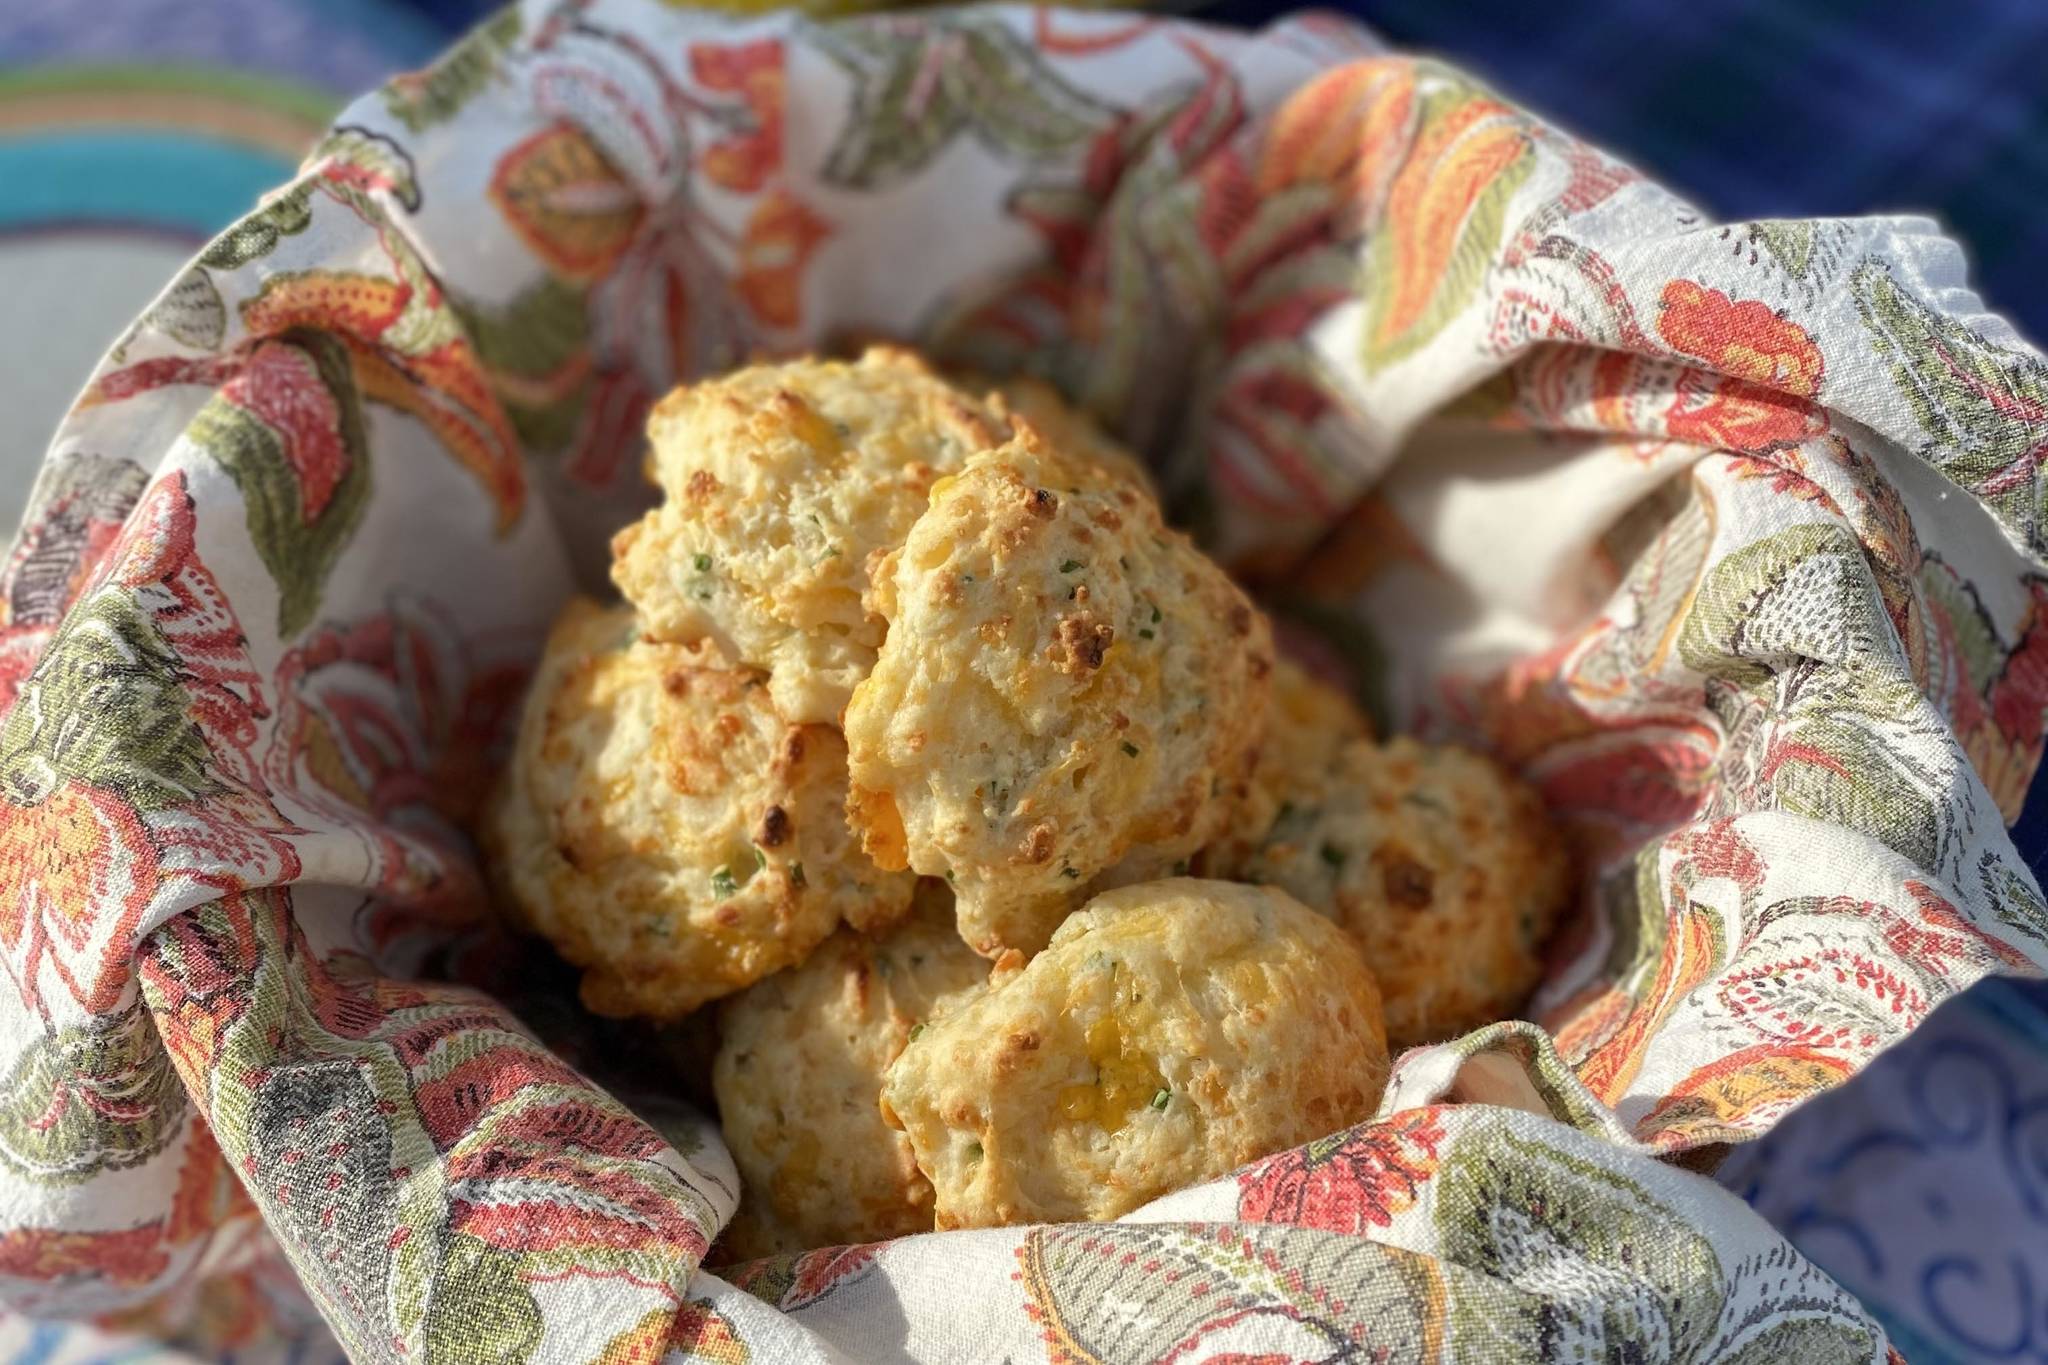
column 1772, row 649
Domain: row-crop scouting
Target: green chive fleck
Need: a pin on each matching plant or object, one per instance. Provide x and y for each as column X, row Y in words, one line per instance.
column 703, row 563
column 722, row 883
column 1070, row 566
column 916, row 1031
column 1070, row 872
column 1161, row 1100
column 1333, row 855
column 1155, row 616
column 974, row 1151
column 1180, row 869
column 1130, row 748
column 1145, row 634
column 796, row 874
column 760, row 859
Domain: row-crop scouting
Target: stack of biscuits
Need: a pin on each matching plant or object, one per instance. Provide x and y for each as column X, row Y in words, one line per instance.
column 1029, row 884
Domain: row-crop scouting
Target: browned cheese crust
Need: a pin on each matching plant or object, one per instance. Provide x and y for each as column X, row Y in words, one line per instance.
column 1441, row 863
column 1069, row 694
column 666, row 829
column 1170, row 1033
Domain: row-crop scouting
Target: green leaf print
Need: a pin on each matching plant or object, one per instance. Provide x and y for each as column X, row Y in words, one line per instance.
column 299, row 529
column 482, row 1310
column 1795, row 621
column 1845, row 770
column 191, row 313
column 97, row 1097
column 536, row 336
column 2013, row 895
column 258, row 233
column 1018, row 103
column 1789, row 242
column 384, row 162
column 1817, row 1340
column 1121, row 1292
column 1806, row 573
column 1982, row 653
column 423, row 98
column 1533, row 1215
column 1981, row 406
column 921, row 83
column 107, row 706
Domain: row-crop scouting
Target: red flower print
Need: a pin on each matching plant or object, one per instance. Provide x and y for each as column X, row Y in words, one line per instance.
column 281, row 387
column 817, row 1273
column 1765, row 371
column 1732, row 414
column 1744, row 340
column 1347, row 1182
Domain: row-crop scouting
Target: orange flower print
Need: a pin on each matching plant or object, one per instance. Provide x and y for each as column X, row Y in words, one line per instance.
column 566, row 201
column 695, row 1328
column 1445, row 217
column 1739, row 1094
column 744, row 161
column 1348, row 128
column 1766, row 372
column 781, row 236
column 79, row 870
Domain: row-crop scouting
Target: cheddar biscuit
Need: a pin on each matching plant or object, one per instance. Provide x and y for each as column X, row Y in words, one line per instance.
column 1442, row 864
column 799, row 1079
column 1307, row 722
column 781, row 482
column 1065, row 427
column 1068, row 693
column 1170, row 1033
column 666, row 829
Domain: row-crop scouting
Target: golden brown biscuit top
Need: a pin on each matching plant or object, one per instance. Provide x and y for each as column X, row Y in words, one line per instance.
column 1065, row 427
column 667, row 829
column 1066, row 690
column 1168, row 1033
column 1444, row 865
column 782, row 482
